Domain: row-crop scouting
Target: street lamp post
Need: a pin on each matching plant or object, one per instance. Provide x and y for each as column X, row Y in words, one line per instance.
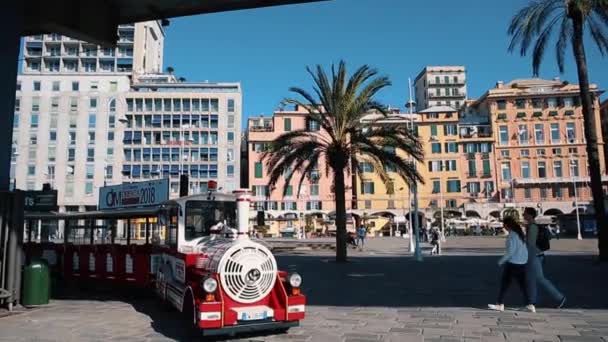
column 414, row 187
column 578, row 220
column 409, row 229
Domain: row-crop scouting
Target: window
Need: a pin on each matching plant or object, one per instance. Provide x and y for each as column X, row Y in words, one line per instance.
column 54, row 104
column 367, row 188
column 90, row 154
column 451, row 147
column 522, row 132
column 36, row 85
column 93, row 103
column 557, row 168
column 366, row 167
column 540, row 152
column 450, row 165
column 474, row 187
column 230, row 106
column 91, row 138
column 520, row 103
column 505, row 153
column 436, row 186
column 435, row 148
column 214, row 105
column 17, row 104
column 537, row 103
column 92, row 120
column 555, row 133
column 568, row 102
column 556, row 191
column 571, row 132
column 35, row 104
column 552, row 102
column 258, row 170
column 75, row 86
column 88, row 188
column 51, row 154
column 435, row 166
column 16, row 120
column 287, row 124
column 34, row 121
column 503, row 135
column 313, row 126
column 453, row 185
column 31, row 170
column 314, row 189
column 109, row 172
column 56, row 85
column 525, row 169
column 539, row 135
column 486, row 167
column 505, row 168
column 450, row 129
column 230, row 121
column 556, row 151
column 90, row 171
column 53, row 136
column 32, row 154
column 528, row 193
column 230, row 138
column 542, row 171
column 574, row 168
column 433, row 130
column 524, row 153
column 33, row 139
column 501, row 104
column 472, row 168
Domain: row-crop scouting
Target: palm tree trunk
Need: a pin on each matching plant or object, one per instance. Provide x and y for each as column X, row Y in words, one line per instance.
column 340, row 214
column 589, row 121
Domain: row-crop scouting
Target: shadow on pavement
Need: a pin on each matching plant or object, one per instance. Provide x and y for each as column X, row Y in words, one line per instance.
column 445, row 281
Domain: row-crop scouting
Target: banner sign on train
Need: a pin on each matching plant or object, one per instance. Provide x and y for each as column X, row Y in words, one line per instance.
column 129, row 195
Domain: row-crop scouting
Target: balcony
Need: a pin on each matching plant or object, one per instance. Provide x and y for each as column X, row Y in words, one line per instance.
column 446, row 96
column 458, row 82
column 265, row 128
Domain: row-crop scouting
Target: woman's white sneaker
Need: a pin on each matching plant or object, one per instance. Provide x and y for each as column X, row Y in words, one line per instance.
column 496, row 307
column 531, row 308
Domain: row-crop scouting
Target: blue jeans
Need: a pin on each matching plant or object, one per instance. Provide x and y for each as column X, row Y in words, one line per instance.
column 536, row 277
column 361, row 241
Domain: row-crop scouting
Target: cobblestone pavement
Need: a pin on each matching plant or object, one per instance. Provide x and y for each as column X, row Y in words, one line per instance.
column 381, row 294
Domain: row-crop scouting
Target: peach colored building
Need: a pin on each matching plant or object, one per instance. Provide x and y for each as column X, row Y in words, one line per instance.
column 287, row 214
column 539, row 142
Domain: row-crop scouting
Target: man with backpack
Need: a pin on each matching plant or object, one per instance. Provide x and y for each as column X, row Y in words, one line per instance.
column 538, row 242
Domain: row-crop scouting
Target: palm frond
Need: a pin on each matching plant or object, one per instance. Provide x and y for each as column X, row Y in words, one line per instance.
column 565, row 33
column 541, row 44
column 598, row 34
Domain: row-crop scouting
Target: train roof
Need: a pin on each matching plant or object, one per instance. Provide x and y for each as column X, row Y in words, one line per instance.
column 125, row 213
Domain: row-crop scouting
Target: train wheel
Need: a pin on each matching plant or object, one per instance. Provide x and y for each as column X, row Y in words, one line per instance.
column 188, row 316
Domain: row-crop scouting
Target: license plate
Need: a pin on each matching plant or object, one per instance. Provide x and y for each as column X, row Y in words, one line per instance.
column 252, row 316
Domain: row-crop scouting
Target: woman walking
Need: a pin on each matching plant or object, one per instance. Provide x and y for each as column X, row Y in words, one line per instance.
column 514, row 261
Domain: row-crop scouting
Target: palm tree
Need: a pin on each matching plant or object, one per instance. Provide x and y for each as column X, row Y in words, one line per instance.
column 170, row 70
column 535, row 23
column 182, row 79
column 338, row 108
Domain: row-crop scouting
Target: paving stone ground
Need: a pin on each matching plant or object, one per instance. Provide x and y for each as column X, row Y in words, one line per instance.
column 381, row 294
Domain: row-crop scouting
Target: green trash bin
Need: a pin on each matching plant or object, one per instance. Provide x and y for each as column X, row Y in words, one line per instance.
column 36, row 284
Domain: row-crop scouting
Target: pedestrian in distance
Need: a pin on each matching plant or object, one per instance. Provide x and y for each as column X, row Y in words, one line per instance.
column 514, row 265
column 435, row 241
column 537, row 244
column 361, row 233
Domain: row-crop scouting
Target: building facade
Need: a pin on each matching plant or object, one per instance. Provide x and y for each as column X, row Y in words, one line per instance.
column 540, row 156
column 285, row 213
column 437, row 86
column 87, row 116
column 172, row 128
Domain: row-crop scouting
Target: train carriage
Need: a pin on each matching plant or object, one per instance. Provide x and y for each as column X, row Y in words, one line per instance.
column 197, row 255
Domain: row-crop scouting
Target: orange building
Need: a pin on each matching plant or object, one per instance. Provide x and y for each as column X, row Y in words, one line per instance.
column 539, row 143
column 286, row 215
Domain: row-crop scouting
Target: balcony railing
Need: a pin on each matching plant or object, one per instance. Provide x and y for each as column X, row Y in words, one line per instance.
column 524, row 181
column 261, row 128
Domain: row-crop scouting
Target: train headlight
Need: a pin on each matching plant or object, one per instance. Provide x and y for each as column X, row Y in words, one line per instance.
column 295, row 280
column 209, row 285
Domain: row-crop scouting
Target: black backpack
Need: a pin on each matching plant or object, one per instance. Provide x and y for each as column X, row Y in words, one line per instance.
column 543, row 240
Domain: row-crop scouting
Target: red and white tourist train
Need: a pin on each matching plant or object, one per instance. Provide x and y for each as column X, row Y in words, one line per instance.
column 195, row 252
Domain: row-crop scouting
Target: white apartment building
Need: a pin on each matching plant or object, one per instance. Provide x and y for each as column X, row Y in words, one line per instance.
column 440, row 86
column 83, row 119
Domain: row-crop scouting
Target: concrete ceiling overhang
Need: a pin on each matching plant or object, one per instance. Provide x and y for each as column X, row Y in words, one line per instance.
column 96, row 21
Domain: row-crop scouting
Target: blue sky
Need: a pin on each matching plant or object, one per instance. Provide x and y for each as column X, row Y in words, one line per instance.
column 268, row 49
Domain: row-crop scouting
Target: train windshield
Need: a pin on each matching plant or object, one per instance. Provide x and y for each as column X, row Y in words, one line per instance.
column 205, row 217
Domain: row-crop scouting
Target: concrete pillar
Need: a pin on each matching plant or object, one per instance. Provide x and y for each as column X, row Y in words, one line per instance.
column 10, row 38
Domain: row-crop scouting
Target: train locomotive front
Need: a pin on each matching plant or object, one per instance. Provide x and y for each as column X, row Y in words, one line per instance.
column 221, row 279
